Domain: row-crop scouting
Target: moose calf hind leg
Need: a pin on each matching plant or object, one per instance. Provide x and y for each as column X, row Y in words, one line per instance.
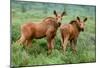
column 65, row 45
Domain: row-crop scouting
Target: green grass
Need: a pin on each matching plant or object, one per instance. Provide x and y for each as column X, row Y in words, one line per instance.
column 37, row 54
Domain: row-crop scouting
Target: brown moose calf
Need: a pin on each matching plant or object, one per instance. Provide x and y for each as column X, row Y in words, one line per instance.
column 70, row 32
column 46, row 28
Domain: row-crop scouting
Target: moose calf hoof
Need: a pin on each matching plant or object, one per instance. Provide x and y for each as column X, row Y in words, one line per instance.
column 49, row 52
column 74, row 51
column 64, row 53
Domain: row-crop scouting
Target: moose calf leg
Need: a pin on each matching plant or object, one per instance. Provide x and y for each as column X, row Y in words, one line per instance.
column 52, row 43
column 21, row 40
column 62, row 41
column 65, row 45
column 73, row 46
column 29, row 43
column 50, row 34
column 49, row 46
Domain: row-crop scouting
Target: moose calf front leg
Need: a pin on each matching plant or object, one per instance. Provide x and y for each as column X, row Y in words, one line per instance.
column 50, row 39
column 50, row 45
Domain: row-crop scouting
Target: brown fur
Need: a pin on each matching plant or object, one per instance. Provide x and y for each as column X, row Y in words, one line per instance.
column 47, row 28
column 70, row 32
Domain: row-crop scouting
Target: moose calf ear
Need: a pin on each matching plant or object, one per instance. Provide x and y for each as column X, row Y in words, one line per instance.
column 78, row 18
column 64, row 13
column 55, row 13
column 85, row 19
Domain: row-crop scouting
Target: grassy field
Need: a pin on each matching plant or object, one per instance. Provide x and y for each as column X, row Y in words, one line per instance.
column 37, row 54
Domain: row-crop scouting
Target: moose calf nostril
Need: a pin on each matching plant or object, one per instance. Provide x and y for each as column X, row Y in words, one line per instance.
column 82, row 29
column 59, row 24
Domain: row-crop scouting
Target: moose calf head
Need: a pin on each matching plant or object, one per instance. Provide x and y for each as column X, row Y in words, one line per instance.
column 81, row 23
column 59, row 16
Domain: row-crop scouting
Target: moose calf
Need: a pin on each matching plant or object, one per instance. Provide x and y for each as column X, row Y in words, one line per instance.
column 47, row 28
column 70, row 32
